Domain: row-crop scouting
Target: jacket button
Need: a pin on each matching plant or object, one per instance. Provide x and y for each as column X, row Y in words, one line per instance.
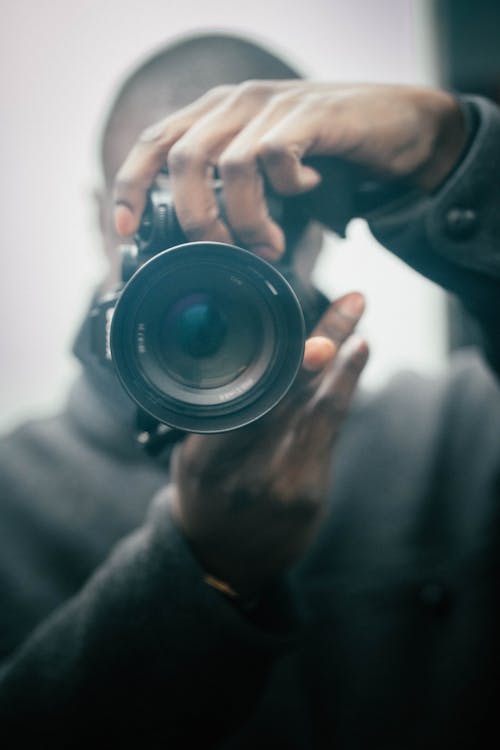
column 436, row 597
column 461, row 223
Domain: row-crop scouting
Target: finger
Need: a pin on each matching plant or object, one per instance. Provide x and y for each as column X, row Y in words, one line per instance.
column 148, row 156
column 318, row 352
column 243, row 184
column 256, row 150
column 284, row 145
column 334, row 390
column 191, row 164
column 335, row 326
column 301, row 459
column 192, row 182
column 214, row 139
column 320, row 419
column 341, row 317
column 132, row 184
column 282, row 165
column 246, row 206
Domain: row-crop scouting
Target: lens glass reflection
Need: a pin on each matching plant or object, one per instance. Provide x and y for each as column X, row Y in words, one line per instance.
column 199, row 325
column 207, row 341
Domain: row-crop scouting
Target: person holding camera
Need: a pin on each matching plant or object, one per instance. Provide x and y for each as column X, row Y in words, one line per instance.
column 325, row 576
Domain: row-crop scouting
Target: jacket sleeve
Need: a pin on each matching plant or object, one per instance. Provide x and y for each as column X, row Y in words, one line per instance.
column 453, row 236
column 146, row 650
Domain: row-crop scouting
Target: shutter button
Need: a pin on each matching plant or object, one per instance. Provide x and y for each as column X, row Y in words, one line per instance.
column 461, row 223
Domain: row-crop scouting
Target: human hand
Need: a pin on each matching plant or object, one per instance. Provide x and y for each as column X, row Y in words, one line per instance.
column 264, row 129
column 250, row 500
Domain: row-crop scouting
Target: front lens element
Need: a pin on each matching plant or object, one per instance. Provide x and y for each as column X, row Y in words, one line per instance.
column 207, row 337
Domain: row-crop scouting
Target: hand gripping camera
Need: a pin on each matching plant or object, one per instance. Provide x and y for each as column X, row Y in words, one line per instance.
column 204, row 337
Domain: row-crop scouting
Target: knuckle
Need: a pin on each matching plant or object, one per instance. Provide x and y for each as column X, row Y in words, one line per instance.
column 220, row 92
column 400, row 166
column 180, row 157
column 252, row 88
column 197, row 226
column 122, row 186
column 153, row 133
column 249, row 235
column 233, row 165
column 337, row 327
column 417, row 151
column 271, row 150
column 177, row 160
column 157, row 141
column 288, row 98
column 311, row 101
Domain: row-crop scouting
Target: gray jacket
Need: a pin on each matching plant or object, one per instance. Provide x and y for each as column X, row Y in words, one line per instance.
column 386, row 633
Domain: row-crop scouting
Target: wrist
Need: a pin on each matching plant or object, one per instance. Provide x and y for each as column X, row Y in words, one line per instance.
column 448, row 144
column 223, row 569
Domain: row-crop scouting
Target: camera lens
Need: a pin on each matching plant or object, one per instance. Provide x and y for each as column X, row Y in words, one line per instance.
column 196, row 325
column 207, row 337
column 206, row 341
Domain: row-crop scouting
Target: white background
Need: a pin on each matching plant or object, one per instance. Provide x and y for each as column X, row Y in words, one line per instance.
column 59, row 60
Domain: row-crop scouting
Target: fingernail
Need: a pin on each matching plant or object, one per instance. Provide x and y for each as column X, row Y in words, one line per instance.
column 353, row 305
column 318, row 352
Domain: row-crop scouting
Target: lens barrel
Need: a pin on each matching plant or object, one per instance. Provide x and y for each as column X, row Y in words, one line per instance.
column 207, row 337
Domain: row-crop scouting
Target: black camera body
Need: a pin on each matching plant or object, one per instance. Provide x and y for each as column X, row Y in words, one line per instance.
column 204, row 337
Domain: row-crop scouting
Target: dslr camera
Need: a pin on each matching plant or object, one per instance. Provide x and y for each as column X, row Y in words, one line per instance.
column 203, row 336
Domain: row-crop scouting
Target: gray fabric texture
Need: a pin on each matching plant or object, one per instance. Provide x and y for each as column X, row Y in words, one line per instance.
column 385, row 633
